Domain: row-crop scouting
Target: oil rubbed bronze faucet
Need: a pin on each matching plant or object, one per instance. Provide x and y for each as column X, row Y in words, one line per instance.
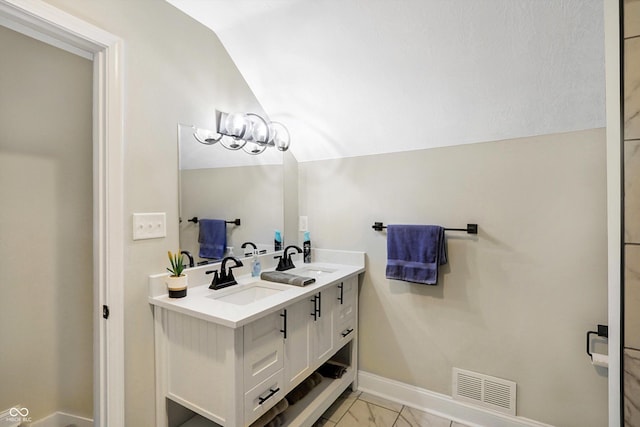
column 188, row 254
column 226, row 277
column 245, row 244
column 285, row 262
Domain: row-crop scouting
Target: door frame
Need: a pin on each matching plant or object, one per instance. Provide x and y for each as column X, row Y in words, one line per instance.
column 46, row 23
column 612, row 14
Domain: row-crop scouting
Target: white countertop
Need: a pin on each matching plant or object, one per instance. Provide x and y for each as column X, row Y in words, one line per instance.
column 201, row 301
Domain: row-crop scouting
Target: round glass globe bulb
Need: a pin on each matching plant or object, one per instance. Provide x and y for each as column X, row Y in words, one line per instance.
column 279, row 136
column 236, row 125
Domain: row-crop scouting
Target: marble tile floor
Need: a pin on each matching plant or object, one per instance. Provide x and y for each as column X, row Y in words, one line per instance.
column 357, row 409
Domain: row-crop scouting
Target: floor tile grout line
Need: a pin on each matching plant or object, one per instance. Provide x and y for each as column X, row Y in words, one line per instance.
column 369, row 403
column 345, row 412
column 396, row 420
column 397, row 417
column 383, row 407
column 379, row 406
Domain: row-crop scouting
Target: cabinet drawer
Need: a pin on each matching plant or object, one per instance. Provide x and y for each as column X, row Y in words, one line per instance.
column 345, row 311
column 262, row 397
column 346, row 301
column 345, row 331
column 263, row 349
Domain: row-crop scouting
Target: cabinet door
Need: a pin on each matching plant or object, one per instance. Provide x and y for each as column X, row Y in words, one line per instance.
column 297, row 343
column 322, row 324
column 263, row 349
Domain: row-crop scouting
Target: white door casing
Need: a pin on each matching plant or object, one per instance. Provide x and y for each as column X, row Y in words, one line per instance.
column 614, row 208
column 46, row 23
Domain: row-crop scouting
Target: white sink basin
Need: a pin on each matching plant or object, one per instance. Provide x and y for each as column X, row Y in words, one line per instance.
column 246, row 294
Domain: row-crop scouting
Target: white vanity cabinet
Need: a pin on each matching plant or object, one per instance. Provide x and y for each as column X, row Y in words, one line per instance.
column 233, row 375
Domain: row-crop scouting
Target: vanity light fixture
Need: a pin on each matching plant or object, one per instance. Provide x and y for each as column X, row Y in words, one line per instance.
column 248, row 131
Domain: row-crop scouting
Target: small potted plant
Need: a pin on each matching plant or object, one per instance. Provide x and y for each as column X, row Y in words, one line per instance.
column 177, row 281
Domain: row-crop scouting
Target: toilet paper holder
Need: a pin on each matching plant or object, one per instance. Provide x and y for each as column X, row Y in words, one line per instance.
column 603, row 331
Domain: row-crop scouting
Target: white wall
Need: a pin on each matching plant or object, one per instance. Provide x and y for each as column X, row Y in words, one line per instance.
column 384, row 74
column 514, row 302
column 175, row 71
column 46, row 228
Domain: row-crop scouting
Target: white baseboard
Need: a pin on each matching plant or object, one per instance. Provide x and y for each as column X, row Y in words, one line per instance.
column 439, row 404
column 61, row 419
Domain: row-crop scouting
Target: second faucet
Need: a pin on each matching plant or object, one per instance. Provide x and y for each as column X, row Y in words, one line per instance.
column 285, row 262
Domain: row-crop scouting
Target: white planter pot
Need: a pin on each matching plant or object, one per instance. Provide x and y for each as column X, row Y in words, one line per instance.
column 177, row 286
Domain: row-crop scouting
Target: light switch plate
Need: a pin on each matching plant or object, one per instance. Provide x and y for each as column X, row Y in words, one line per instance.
column 149, row 225
column 304, row 223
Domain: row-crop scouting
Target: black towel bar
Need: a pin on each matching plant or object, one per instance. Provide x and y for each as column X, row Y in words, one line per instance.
column 235, row 221
column 471, row 228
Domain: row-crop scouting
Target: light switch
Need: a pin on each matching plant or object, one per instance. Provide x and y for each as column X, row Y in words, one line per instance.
column 304, row 223
column 149, row 225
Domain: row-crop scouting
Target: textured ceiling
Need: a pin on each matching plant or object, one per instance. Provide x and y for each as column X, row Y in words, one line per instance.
column 358, row 77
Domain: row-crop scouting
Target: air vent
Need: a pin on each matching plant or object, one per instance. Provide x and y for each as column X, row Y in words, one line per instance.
column 483, row 390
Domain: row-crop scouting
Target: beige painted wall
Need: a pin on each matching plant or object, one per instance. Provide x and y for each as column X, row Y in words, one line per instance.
column 514, row 302
column 46, row 227
column 291, row 188
column 175, row 71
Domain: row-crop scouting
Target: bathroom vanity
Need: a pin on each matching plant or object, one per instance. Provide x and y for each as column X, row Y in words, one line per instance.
column 231, row 354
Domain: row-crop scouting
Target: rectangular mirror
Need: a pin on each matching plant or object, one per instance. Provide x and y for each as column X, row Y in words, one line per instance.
column 218, row 183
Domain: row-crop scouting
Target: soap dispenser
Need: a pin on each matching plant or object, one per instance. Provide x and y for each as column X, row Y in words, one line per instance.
column 255, row 265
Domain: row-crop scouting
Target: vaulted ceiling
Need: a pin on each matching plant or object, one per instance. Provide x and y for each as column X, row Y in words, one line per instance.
column 358, row 77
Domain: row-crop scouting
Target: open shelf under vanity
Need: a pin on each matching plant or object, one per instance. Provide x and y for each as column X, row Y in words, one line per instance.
column 306, row 411
column 309, row 409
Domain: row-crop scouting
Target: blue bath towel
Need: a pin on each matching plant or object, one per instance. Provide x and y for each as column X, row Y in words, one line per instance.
column 212, row 238
column 414, row 253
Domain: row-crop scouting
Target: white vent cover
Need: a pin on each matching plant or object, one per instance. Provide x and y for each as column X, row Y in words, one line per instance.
column 483, row 390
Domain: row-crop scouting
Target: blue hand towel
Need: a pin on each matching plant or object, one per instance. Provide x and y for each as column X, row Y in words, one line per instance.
column 212, row 238
column 414, row 253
